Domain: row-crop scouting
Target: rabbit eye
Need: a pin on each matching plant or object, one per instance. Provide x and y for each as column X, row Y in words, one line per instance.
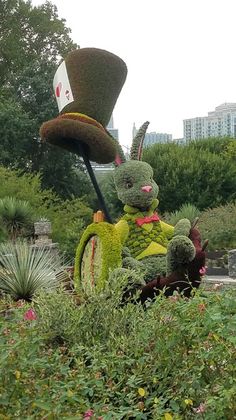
column 129, row 184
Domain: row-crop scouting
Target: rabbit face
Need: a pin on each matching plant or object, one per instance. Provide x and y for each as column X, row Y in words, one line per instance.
column 135, row 185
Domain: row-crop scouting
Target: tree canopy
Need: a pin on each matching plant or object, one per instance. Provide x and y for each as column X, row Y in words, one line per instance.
column 202, row 173
column 33, row 40
column 30, row 34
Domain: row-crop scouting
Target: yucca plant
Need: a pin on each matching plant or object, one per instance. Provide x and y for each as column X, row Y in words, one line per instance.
column 25, row 270
column 15, row 215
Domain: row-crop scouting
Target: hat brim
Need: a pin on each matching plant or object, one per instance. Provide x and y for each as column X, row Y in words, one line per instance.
column 70, row 134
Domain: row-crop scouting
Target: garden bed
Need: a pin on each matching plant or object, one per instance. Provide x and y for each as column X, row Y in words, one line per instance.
column 102, row 360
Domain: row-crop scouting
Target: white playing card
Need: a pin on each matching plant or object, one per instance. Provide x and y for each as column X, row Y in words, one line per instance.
column 62, row 88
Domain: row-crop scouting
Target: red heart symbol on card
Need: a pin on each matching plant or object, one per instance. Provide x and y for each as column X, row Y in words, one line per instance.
column 58, row 90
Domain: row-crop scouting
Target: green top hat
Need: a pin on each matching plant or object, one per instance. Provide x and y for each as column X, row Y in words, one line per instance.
column 87, row 85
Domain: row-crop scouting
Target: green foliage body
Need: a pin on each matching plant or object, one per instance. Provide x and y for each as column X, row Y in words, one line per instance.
column 119, row 361
column 110, row 253
column 139, row 239
column 137, row 189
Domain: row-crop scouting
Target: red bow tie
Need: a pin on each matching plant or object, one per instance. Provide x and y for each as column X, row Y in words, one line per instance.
column 147, row 219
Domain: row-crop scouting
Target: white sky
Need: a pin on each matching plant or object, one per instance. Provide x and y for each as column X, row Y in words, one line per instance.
column 180, row 56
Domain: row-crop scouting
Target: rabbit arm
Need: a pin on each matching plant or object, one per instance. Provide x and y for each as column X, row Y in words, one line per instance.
column 182, row 227
column 122, row 229
column 167, row 229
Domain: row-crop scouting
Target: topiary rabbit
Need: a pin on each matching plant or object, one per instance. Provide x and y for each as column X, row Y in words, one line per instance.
column 164, row 253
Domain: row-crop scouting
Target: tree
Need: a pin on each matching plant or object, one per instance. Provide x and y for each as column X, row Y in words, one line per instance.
column 30, row 33
column 193, row 174
column 32, row 42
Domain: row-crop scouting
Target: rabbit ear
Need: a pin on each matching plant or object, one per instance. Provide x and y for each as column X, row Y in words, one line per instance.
column 120, row 156
column 137, row 143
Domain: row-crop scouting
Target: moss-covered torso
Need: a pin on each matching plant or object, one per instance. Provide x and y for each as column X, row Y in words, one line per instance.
column 149, row 239
column 139, row 238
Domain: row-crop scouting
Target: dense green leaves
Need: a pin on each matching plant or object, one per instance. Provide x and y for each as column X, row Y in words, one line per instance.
column 114, row 205
column 25, row 187
column 17, row 132
column 32, row 42
column 68, row 217
column 218, row 225
column 175, row 360
column 198, row 173
column 28, row 33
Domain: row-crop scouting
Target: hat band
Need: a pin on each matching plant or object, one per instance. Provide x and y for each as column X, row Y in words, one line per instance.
column 82, row 118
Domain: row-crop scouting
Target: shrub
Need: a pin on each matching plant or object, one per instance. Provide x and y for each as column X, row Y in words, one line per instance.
column 69, row 219
column 173, row 360
column 114, row 205
column 186, row 211
column 218, row 225
column 25, row 187
column 196, row 173
column 26, row 270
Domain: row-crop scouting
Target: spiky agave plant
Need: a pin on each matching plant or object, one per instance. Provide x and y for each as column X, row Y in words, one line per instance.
column 25, row 270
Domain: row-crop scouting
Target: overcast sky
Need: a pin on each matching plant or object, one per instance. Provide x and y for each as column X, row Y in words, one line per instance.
column 180, row 56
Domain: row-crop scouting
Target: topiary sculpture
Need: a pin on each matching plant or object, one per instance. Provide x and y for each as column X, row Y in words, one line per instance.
column 171, row 257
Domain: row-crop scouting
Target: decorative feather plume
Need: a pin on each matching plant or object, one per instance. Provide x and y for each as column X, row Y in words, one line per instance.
column 137, row 143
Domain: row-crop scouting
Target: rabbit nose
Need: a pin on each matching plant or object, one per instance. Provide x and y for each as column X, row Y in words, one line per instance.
column 146, row 188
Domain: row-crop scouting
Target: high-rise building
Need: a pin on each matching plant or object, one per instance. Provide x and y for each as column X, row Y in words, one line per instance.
column 113, row 131
column 152, row 138
column 218, row 123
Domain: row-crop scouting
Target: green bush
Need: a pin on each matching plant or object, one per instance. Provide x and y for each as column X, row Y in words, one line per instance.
column 171, row 361
column 68, row 217
column 186, row 211
column 218, row 225
column 25, row 187
column 198, row 173
column 114, row 205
